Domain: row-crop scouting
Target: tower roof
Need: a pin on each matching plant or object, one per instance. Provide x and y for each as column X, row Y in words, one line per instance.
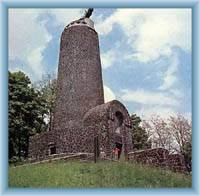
column 82, row 22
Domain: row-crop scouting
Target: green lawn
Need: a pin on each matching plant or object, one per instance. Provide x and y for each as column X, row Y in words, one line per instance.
column 102, row 174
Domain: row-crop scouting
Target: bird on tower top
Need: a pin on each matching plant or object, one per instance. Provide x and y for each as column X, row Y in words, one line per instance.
column 88, row 13
column 84, row 19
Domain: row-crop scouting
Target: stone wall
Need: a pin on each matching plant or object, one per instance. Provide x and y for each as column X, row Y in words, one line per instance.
column 176, row 162
column 71, row 141
column 107, row 124
column 101, row 121
column 159, row 157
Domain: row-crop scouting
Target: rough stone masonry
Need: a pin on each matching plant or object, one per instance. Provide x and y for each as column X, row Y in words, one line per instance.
column 80, row 112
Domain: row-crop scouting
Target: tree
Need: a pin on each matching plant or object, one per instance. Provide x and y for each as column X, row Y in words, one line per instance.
column 47, row 87
column 139, row 135
column 26, row 113
column 181, row 129
column 158, row 132
column 173, row 134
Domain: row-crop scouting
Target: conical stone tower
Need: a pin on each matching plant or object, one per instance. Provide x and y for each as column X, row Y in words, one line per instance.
column 80, row 86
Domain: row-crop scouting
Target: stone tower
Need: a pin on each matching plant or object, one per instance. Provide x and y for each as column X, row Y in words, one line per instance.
column 80, row 86
column 80, row 115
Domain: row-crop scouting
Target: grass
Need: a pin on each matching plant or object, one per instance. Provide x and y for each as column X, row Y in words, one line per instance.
column 75, row 174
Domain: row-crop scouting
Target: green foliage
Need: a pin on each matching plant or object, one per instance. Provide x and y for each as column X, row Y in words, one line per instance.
column 26, row 114
column 47, row 87
column 95, row 175
column 139, row 135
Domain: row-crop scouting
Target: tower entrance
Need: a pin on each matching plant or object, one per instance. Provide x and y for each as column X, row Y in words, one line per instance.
column 118, row 142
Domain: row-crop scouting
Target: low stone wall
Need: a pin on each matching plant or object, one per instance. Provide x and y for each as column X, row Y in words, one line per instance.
column 63, row 156
column 159, row 157
column 176, row 162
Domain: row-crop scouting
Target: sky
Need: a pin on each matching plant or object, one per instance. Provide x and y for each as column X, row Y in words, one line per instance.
column 145, row 53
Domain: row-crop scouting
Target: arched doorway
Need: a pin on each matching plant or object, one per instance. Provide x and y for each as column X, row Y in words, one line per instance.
column 118, row 133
